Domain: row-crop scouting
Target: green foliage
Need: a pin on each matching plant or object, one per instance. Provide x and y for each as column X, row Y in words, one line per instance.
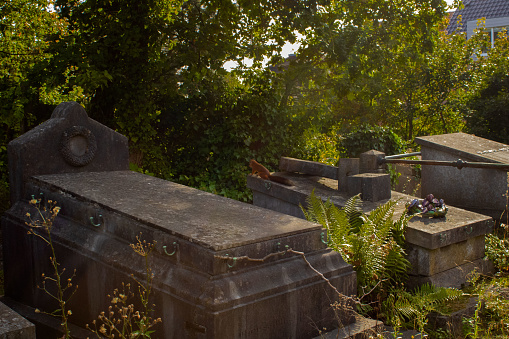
column 338, row 143
column 403, row 307
column 376, row 62
column 373, row 244
column 491, row 319
column 366, row 137
column 489, row 117
column 154, row 72
column 26, row 28
column 497, row 248
column 211, row 147
column 320, row 147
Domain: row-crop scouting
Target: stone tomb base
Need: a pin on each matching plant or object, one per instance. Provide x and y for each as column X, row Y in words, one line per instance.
column 198, row 291
column 442, row 251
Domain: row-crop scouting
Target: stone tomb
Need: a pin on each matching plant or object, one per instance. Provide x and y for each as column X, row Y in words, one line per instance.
column 200, row 290
column 442, row 251
column 481, row 190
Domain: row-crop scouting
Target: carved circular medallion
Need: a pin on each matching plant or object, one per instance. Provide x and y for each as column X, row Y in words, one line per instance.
column 78, row 146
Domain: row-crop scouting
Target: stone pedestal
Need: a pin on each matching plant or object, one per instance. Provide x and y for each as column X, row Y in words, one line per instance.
column 371, row 186
column 477, row 189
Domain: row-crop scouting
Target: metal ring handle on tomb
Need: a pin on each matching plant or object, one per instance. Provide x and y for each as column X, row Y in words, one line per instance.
column 329, row 238
column 93, row 223
column 175, row 248
column 234, row 261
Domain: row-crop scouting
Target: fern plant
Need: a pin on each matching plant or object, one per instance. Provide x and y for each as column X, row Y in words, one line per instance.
column 373, row 244
column 403, row 307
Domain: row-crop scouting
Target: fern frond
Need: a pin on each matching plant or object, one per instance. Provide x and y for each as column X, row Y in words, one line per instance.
column 339, row 225
column 397, row 265
column 382, row 213
column 432, row 295
column 399, row 228
column 353, row 211
column 316, row 210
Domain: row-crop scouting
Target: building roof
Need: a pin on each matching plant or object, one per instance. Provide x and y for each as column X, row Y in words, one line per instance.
column 476, row 9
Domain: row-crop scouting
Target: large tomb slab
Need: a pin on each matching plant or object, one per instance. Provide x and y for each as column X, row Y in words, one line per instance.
column 222, row 268
column 482, row 190
column 442, row 251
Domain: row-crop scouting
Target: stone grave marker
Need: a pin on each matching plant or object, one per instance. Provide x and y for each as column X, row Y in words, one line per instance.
column 222, row 269
column 442, row 251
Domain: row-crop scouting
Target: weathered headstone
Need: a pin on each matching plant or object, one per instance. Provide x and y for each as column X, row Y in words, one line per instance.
column 222, row 269
column 69, row 142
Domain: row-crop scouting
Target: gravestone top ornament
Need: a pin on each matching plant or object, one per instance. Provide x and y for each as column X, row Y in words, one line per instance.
column 78, row 146
column 82, row 145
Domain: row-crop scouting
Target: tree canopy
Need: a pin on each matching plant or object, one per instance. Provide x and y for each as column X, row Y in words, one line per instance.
column 153, row 70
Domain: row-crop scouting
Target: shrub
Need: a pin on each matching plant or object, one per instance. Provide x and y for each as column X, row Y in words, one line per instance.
column 489, row 115
column 368, row 137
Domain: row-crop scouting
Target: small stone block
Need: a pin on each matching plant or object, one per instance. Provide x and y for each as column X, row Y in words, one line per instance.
column 354, row 184
column 346, row 167
column 376, row 186
column 368, row 161
column 372, row 186
column 308, row 167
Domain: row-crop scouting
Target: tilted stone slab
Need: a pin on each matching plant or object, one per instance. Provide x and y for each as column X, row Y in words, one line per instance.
column 308, row 167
